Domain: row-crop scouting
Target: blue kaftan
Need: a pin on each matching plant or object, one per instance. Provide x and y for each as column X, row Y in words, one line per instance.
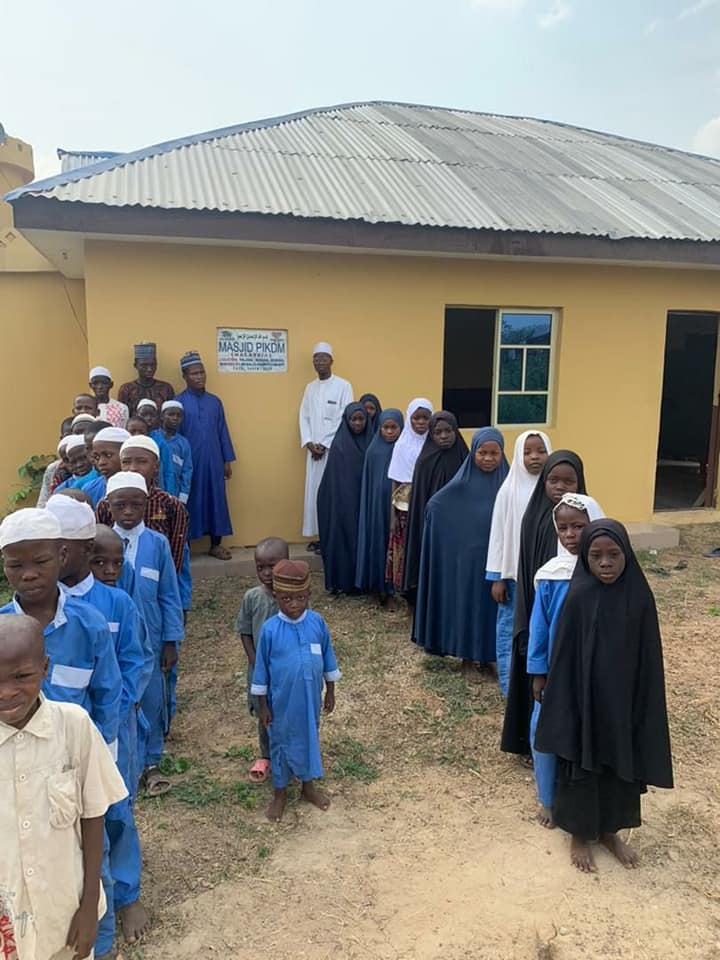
column 96, row 489
column 206, row 430
column 156, row 594
column 547, row 606
column 179, row 469
column 293, row 658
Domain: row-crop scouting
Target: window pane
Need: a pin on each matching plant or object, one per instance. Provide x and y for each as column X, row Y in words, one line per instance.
column 531, row 328
column 522, row 408
column 511, row 369
column 537, row 369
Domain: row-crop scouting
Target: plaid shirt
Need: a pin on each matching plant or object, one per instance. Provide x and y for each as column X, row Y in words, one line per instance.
column 132, row 393
column 164, row 514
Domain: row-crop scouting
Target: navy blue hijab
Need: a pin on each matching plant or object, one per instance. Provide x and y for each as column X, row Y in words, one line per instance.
column 374, row 519
column 455, row 614
column 338, row 502
column 374, row 421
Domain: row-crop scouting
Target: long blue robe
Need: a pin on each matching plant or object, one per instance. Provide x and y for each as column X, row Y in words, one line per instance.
column 156, row 594
column 206, row 430
column 455, row 613
column 177, row 464
column 374, row 516
column 79, row 483
column 293, row 659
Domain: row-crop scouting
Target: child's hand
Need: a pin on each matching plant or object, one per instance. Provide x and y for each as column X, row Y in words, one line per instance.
column 169, row 657
column 539, row 681
column 265, row 715
column 83, row 930
column 329, row 700
column 499, row 591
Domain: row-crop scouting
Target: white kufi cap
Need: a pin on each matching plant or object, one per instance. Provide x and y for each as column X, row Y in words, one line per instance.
column 141, row 442
column 100, row 372
column 111, row 435
column 126, row 480
column 146, row 403
column 76, row 519
column 172, row 405
column 83, row 418
column 323, row 347
column 76, row 440
column 29, row 524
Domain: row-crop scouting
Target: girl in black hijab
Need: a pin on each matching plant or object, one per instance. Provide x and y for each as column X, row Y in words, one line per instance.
column 563, row 473
column 603, row 712
column 440, row 459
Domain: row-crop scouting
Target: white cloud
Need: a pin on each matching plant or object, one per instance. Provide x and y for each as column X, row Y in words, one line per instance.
column 692, row 9
column 707, row 138
column 559, row 10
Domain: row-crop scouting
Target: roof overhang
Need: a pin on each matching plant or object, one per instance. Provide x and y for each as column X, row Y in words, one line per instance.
column 59, row 229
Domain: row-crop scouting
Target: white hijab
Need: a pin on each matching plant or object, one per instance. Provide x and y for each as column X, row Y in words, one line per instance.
column 510, row 504
column 408, row 445
column 563, row 565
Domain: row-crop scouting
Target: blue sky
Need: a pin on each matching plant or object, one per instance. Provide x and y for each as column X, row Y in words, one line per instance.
column 120, row 76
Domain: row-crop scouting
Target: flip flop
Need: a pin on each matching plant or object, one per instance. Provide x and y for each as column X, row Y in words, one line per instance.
column 715, row 553
column 220, row 553
column 156, row 784
column 259, row 771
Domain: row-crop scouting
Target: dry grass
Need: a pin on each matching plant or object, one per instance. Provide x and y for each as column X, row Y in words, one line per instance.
column 398, row 715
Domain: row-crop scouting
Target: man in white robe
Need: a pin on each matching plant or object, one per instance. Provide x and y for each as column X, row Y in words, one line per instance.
column 321, row 413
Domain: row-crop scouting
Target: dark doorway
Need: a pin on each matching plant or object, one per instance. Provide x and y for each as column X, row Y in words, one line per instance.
column 686, row 414
column 469, row 352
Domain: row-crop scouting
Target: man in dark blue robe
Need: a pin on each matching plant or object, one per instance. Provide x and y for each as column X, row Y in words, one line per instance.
column 212, row 455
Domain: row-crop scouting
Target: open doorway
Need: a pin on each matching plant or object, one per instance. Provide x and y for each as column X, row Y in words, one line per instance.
column 688, row 429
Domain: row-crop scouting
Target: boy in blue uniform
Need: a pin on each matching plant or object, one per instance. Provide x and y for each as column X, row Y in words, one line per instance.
column 552, row 581
column 178, row 478
column 77, row 524
column 157, row 595
column 294, row 657
column 105, row 452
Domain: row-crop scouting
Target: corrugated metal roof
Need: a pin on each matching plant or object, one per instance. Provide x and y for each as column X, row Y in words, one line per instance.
column 416, row 165
column 75, row 159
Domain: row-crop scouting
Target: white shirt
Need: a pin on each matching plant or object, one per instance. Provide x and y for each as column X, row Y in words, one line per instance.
column 132, row 536
column 322, row 408
column 54, row 772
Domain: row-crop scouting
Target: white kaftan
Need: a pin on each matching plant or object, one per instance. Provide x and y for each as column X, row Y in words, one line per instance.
column 321, row 411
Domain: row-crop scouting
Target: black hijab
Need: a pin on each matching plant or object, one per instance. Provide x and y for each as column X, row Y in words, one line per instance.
column 538, row 544
column 338, row 501
column 374, row 421
column 433, row 469
column 604, row 703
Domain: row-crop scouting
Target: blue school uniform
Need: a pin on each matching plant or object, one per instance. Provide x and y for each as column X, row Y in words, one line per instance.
column 547, row 606
column 79, row 483
column 83, row 667
column 96, row 489
column 293, row 658
column 179, row 467
column 158, row 598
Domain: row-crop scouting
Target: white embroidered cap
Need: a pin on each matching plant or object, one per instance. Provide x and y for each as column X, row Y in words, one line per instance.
column 76, row 519
column 126, row 480
column 111, row 435
column 142, row 443
column 31, row 523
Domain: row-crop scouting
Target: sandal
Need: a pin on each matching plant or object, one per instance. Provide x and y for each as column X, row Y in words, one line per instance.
column 259, row 771
column 155, row 783
column 220, row 552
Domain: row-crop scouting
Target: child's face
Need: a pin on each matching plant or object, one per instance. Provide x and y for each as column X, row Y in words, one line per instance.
column 488, row 456
column 420, row 420
column 172, row 419
column 84, row 404
column 534, row 455
column 76, row 558
column 106, row 563
column 100, row 386
column 79, row 460
column 150, row 416
column 606, row 560
column 562, row 479
column 570, row 523
column 358, row 421
column 370, row 408
column 21, row 675
column 127, row 507
column 139, row 460
column 390, row 431
column 444, row 435
column 265, row 563
column 32, row 568
column 293, row 605
column 107, row 457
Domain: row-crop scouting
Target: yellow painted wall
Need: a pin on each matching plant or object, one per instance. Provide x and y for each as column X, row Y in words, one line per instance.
column 384, row 316
column 44, row 352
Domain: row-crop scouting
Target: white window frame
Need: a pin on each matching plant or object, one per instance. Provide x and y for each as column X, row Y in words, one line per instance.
column 551, row 348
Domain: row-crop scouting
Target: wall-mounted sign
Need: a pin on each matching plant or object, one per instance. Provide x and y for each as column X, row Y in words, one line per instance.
column 251, row 351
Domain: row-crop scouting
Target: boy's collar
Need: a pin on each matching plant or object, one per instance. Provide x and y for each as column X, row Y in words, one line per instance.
column 129, row 534
column 287, row 619
column 39, row 725
column 79, row 589
column 59, row 618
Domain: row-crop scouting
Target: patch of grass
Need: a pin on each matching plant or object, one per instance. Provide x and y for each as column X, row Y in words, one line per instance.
column 239, row 753
column 264, row 853
column 200, row 790
column 714, row 611
column 170, row 765
column 351, row 761
column 443, row 678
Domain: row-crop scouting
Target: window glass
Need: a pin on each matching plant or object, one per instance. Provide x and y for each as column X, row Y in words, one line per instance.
column 533, row 329
column 537, row 369
column 511, row 369
column 522, row 408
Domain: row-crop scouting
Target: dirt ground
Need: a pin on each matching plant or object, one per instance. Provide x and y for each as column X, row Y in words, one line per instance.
column 429, row 849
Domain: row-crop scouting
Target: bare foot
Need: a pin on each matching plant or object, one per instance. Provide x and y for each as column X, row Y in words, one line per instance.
column 311, row 794
column 470, row 672
column 625, row 854
column 581, row 856
column 276, row 807
column 134, row 921
column 545, row 818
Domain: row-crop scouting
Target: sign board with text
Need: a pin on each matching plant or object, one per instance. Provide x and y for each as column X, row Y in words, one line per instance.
column 251, row 351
